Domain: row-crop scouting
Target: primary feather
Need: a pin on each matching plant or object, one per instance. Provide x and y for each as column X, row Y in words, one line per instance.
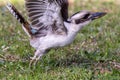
column 47, row 16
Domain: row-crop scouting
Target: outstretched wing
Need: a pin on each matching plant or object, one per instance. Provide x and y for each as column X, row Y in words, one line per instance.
column 47, row 15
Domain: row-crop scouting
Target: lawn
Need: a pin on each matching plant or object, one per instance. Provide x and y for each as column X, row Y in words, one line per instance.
column 94, row 55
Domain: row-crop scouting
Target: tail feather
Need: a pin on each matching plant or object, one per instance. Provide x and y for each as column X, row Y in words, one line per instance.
column 20, row 18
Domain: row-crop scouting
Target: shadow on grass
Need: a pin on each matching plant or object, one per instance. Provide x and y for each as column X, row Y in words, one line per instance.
column 73, row 60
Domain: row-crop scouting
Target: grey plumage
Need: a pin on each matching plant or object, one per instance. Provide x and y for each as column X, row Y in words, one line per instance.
column 47, row 16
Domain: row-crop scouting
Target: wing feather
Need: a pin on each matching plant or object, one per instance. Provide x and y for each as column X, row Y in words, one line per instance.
column 47, row 13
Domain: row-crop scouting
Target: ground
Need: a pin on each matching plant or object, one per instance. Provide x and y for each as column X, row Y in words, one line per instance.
column 94, row 55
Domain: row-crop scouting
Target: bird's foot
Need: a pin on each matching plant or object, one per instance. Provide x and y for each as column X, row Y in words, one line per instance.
column 33, row 62
column 35, row 59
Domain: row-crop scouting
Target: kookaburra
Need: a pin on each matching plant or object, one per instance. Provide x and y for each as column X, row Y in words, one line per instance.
column 50, row 26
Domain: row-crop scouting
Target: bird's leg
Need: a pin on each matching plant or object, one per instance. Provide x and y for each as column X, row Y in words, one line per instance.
column 36, row 57
column 32, row 61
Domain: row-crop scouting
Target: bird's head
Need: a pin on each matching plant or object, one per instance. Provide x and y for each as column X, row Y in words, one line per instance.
column 83, row 18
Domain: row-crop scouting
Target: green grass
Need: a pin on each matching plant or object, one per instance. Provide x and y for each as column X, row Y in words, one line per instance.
column 94, row 55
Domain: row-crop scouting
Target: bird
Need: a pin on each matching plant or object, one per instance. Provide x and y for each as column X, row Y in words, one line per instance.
column 49, row 24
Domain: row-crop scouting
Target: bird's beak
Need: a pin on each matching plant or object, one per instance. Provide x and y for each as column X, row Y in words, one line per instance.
column 86, row 16
column 97, row 15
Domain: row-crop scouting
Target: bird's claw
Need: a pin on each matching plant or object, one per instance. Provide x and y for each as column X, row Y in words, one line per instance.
column 33, row 62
